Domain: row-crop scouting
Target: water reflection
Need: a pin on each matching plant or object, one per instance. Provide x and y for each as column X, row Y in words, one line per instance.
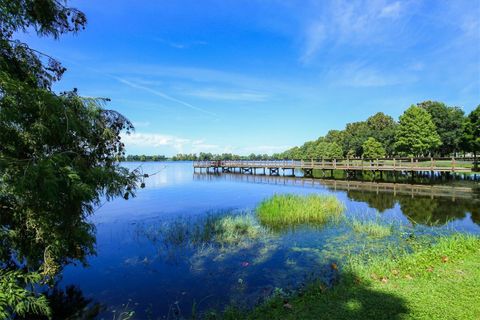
column 423, row 204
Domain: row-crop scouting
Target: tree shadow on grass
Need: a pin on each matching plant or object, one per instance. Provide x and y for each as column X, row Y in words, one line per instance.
column 351, row 298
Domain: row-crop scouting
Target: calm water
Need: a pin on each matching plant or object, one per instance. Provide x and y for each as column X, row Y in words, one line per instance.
column 160, row 275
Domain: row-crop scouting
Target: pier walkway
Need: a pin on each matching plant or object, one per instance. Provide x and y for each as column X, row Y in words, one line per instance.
column 274, row 167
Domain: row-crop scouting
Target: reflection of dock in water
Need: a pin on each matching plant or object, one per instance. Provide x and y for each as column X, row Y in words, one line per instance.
column 347, row 185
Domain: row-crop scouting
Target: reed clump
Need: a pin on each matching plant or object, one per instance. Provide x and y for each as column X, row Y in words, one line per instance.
column 371, row 228
column 288, row 210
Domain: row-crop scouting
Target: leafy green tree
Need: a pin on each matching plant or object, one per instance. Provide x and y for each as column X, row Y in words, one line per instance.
column 329, row 150
column 373, row 149
column 416, row 133
column 471, row 132
column 449, row 123
column 355, row 135
column 336, row 136
column 57, row 153
column 382, row 128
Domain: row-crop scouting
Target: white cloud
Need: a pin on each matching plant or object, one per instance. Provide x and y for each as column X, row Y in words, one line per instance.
column 213, row 94
column 157, row 143
column 392, row 10
column 155, row 140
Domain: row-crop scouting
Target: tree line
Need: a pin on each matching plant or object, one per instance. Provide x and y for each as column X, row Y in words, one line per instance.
column 429, row 128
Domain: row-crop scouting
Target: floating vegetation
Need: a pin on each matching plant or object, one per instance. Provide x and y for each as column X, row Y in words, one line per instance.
column 222, row 229
column 286, row 211
column 372, row 228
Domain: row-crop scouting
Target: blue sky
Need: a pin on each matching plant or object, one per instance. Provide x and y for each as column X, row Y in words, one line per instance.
column 264, row 75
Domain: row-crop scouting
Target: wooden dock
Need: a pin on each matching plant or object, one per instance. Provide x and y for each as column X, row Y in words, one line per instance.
column 306, row 167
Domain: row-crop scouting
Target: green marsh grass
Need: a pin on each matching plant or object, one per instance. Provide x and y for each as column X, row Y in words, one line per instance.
column 372, row 228
column 286, row 211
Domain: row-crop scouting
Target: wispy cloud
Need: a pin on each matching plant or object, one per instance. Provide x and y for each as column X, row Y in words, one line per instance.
column 391, row 10
column 351, row 23
column 155, row 140
column 216, row 94
column 164, row 143
column 361, row 75
column 181, row 44
column 315, row 36
column 163, row 95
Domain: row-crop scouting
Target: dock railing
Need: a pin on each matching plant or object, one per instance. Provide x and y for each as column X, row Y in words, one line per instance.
column 361, row 164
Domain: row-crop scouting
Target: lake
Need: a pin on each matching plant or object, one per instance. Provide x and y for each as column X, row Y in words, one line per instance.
column 147, row 261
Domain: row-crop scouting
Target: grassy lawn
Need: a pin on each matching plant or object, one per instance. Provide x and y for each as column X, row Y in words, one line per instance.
column 440, row 281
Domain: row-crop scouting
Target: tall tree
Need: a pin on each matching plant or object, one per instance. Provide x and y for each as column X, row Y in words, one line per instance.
column 449, row 124
column 382, row 128
column 471, row 132
column 356, row 134
column 416, row 134
column 57, row 155
column 373, row 149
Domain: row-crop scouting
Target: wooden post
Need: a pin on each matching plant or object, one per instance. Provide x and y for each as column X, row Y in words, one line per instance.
column 393, row 164
column 453, row 164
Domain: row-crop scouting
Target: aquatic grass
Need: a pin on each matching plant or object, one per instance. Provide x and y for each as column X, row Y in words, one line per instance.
column 220, row 229
column 233, row 229
column 288, row 210
column 372, row 228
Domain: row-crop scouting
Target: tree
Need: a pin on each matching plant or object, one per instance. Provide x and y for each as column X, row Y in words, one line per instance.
column 355, row 135
column 449, row 124
column 58, row 153
column 416, row 133
column 373, row 149
column 471, row 132
column 382, row 128
column 328, row 150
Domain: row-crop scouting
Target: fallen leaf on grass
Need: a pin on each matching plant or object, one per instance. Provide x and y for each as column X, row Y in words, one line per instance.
column 288, row 306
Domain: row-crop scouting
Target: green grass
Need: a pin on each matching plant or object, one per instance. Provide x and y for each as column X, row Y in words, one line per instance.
column 285, row 211
column 439, row 281
column 371, row 228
